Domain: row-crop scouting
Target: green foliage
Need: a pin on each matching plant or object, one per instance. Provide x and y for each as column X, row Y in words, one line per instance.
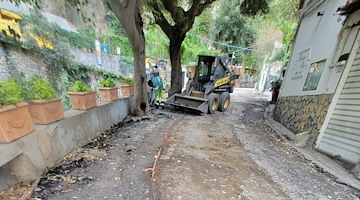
column 10, row 93
column 63, row 71
column 36, row 88
column 127, row 81
column 106, row 74
column 275, row 85
column 235, row 28
column 80, row 39
column 115, row 25
column 193, row 46
column 287, row 23
column 157, row 43
column 79, row 86
column 116, row 37
column 109, row 82
column 62, row 84
column 13, row 34
column 127, row 60
column 42, row 89
column 254, row 7
column 26, row 92
column 115, row 41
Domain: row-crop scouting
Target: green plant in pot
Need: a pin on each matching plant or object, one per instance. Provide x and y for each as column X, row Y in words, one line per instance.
column 109, row 82
column 10, row 93
column 81, row 96
column 127, row 86
column 16, row 121
column 80, row 86
column 45, row 104
column 107, row 90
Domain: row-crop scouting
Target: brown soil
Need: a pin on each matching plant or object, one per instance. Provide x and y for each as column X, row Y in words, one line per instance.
column 227, row 155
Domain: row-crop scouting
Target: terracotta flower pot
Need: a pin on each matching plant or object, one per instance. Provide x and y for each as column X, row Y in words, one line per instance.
column 15, row 122
column 108, row 94
column 46, row 111
column 127, row 90
column 82, row 100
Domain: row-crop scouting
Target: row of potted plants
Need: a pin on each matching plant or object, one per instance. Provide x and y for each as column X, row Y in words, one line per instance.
column 24, row 103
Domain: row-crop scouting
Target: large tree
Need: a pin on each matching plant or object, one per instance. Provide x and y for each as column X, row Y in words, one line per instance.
column 128, row 13
column 176, row 18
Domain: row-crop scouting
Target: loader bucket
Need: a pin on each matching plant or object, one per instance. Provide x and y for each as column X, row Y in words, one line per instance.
column 188, row 103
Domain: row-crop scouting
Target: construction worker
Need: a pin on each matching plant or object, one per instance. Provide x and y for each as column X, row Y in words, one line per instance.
column 156, row 85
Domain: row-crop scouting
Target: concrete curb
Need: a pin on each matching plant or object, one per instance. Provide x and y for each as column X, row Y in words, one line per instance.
column 320, row 160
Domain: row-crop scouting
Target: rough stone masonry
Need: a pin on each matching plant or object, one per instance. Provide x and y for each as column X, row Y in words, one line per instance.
column 303, row 113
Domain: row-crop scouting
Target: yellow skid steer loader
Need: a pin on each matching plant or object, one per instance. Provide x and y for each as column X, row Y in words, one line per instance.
column 209, row 90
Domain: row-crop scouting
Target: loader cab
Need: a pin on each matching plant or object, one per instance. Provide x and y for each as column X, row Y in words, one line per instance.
column 211, row 68
column 205, row 68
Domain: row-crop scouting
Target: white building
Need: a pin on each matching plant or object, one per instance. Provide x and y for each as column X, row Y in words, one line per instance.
column 320, row 93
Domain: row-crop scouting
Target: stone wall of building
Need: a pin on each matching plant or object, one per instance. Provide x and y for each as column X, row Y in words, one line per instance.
column 303, row 113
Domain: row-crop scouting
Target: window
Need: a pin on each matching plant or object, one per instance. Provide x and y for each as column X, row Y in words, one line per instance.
column 203, row 71
column 314, row 75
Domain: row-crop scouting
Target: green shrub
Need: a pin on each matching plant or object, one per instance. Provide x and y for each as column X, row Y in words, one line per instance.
column 109, row 82
column 36, row 88
column 41, row 89
column 127, row 81
column 275, row 85
column 10, row 93
column 26, row 92
column 79, row 86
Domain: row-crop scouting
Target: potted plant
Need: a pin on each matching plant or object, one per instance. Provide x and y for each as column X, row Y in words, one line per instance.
column 81, row 96
column 275, row 87
column 127, row 87
column 14, row 113
column 44, row 104
column 108, row 91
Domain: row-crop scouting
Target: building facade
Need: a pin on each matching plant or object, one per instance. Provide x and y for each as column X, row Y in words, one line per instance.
column 320, row 93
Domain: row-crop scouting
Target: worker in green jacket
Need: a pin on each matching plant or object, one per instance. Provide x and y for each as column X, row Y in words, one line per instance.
column 156, row 85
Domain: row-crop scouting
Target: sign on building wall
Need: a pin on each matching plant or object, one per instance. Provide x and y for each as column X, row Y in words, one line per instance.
column 314, row 75
column 301, row 63
column 104, row 48
column 98, row 52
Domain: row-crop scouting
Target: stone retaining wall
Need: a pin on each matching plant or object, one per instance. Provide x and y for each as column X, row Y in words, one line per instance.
column 303, row 113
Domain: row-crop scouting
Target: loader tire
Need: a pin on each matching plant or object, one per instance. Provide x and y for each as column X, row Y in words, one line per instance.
column 213, row 103
column 224, row 101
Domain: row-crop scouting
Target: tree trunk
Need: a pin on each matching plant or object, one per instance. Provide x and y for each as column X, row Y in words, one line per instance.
column 130, row 18
column 176, row 71
column 141, row 105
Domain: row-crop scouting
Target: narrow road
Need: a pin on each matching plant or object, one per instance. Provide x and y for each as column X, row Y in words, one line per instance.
column 230, row 155
column 234, row 155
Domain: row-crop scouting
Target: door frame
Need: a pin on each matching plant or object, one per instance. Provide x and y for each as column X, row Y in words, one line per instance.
column 338, row 91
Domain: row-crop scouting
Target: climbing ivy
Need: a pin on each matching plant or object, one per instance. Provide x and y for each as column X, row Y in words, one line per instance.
column 63, row 70
column 82, row 39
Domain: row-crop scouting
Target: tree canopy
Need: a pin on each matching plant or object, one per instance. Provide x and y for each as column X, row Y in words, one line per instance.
column 176, row 18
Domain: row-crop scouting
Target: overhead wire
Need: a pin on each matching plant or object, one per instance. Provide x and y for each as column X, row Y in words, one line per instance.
column 227, row 45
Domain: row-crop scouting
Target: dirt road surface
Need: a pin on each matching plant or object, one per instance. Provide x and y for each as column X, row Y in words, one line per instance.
column 230, row 155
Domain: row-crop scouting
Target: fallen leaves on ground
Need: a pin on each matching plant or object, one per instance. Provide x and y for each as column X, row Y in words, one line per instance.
column 15, row 191
column 69, row 179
